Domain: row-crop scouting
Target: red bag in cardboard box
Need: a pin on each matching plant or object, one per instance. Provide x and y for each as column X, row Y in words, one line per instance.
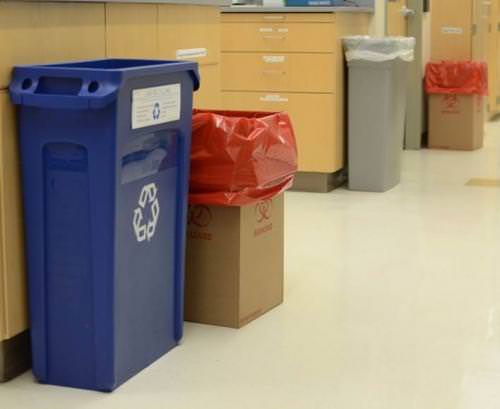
column 457, row 77
column 456, row 110
column 239, row 158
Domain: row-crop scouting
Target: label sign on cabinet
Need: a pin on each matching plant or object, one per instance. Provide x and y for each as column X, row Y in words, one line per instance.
column 452, row 30
column 274, row 59
column 191, row 53
column 273, row 98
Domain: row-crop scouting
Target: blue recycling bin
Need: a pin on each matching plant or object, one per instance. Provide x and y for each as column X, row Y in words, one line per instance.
column 105, row 161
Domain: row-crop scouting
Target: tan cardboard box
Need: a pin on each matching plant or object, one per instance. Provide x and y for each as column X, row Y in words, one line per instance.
column 234, row 263
column 34, row 33
column 456, row 122
column 14, row 345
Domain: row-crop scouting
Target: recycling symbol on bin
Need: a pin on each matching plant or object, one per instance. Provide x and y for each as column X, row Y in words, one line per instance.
column 156, row 111
column 147, row 213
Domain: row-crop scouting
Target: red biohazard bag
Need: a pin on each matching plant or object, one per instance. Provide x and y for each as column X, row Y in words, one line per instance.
column 464, row 78
column 239, row 158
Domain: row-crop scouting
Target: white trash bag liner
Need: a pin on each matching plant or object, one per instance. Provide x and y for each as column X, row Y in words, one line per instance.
column 379, row 49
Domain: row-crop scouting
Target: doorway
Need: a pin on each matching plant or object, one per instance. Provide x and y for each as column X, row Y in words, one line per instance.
column 405, row 18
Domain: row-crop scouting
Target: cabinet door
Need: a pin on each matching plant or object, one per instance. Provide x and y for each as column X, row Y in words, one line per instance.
column 278, row 17
column 72, row 31
column 496, row 69
column 131, row 30
column 278, row 72
column 278, row 37
column 492, row 55
column 13, row 294
column 480, row 21
column 452, row 30
column 189, row 33
column 313, row 118
column 20, row 42
column 208, row 96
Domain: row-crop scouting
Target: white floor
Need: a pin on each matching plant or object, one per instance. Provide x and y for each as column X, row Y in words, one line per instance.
column 392, row 302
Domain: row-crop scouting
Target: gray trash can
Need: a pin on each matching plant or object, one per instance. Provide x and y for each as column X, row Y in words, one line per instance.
column 377, row 109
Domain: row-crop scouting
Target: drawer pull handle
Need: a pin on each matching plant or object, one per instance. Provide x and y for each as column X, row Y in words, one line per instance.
column 274, row 17
column 278, row 38
column 273, row 72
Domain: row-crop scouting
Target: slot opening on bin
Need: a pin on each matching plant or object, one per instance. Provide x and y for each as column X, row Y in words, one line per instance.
column 112, row 64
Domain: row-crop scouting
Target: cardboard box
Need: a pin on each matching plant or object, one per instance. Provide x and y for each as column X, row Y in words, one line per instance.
column 14, row 354
column 235, row 262
column 456, row 122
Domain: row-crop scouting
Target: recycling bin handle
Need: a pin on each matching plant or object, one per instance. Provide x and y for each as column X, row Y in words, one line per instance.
column 34, row 97
column 70, row 102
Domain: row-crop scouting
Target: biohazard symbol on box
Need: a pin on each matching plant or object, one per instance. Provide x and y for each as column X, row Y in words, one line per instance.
column 199, row 216
column 450, row 102
column 147, row 213
column 264, row 210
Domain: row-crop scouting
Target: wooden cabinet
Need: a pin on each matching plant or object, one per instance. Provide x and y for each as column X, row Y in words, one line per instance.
column 170, row 32
column 13, row 293
column 458, row 30
column 209, row 95
column 193, row 33
column 292, row 62
column 493, row 56
column 278, row 72
column 131, row 30
column 278, row 37
column 313, row 118
column 189, row 33
column 34, row 33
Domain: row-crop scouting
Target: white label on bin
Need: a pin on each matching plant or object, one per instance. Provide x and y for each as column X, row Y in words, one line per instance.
column 452, row 30
column 188, row 53
column 147, row 213
column 265, row 30
column 156, row 105
column 274, row 59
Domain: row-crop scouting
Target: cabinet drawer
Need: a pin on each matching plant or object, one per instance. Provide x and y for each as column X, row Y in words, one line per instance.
column 208, row 96
column 306, row 37
column 278, row 72
column 278, row 17
column 313, row 117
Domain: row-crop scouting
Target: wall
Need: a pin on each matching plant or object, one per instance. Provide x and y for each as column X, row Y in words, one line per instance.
column 378, row 24
column 426, row 39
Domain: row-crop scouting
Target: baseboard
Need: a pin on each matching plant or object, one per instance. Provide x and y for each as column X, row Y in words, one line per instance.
column 15, row 356
column 316, row 182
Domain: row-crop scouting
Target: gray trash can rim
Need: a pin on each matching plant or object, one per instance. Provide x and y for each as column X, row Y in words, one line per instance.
column 379, row 49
